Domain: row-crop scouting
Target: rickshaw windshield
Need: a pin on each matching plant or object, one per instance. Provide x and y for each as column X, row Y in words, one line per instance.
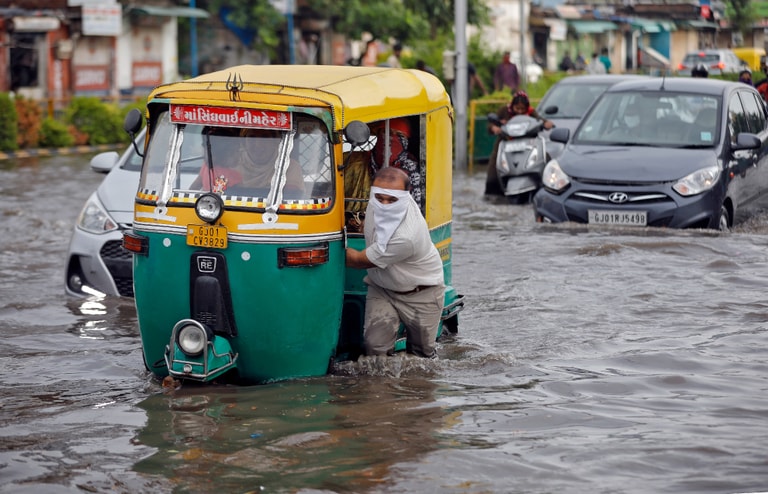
column 254, row 166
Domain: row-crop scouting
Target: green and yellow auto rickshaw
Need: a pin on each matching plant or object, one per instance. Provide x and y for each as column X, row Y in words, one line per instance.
column 252, row 178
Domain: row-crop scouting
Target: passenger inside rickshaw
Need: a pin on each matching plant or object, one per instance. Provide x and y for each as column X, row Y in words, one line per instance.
column 244, row 162
column 398, row 150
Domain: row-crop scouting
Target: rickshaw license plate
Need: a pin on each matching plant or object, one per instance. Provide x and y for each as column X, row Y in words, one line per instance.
column 625, row 218
column 213, row 237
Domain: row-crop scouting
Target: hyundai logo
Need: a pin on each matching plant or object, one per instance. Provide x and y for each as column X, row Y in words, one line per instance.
column 618, row 197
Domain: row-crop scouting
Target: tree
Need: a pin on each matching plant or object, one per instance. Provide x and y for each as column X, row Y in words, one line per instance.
column 404, row 20
column 741, row 14
column 258, row 20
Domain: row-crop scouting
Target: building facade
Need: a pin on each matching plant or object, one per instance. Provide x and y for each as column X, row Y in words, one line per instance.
column 58, row 49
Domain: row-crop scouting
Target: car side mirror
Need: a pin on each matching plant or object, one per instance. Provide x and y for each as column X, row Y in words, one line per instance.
column 560, row 134
column 746, row 140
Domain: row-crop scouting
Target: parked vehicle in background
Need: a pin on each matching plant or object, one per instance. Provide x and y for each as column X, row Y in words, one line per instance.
column 96, row 261
column 663, row 152
column 718, row 61
column 566, row 102
column 753, row 57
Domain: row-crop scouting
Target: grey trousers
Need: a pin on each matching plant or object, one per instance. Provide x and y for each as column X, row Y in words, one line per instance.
column 419, row 312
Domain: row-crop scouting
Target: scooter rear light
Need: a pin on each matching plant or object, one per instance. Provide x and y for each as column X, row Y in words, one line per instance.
column 292, row 257
column 138, row 244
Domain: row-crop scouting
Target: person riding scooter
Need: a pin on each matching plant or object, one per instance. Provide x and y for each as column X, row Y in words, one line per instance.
column 518, row 105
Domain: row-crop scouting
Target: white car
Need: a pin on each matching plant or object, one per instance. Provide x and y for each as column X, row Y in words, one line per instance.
column 717, row 62
column 97, row 264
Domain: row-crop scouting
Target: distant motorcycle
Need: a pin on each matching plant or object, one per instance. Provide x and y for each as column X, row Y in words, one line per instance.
column 520, row 158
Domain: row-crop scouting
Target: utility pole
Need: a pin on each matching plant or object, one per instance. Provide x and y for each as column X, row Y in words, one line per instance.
column 193, row 41
column 461, row 82
column 522, row 71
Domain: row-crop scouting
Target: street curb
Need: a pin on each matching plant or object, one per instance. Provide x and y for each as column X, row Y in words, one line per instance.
column 30, row 153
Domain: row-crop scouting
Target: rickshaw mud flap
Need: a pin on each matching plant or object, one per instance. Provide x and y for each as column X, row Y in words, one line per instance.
column 210, row 297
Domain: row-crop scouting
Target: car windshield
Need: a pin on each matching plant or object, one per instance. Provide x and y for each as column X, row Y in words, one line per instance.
column 653, row 118
column 570, row 100
column 257, row 166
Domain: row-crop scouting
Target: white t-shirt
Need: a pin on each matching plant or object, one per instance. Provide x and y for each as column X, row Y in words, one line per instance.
column 410, row 259
column 394, row 62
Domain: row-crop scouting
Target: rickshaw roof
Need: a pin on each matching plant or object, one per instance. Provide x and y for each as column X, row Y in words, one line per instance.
column 354, row 93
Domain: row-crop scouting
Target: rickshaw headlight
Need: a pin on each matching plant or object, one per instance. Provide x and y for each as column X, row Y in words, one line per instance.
column 193, row 337
column 209, row 207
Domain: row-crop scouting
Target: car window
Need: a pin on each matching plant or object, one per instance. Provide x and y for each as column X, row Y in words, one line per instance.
column 737, row 118
column 754, row 113
column 570, row 100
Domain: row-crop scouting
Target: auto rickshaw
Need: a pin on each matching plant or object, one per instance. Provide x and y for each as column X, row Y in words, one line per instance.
column 249, row 180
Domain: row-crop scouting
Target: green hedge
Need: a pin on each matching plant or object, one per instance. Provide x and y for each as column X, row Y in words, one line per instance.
column 87, row 120
column 8, row 124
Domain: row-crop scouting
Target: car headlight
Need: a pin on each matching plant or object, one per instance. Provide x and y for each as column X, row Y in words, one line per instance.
column 553, row 178
column 94, row 218
column 698, row 181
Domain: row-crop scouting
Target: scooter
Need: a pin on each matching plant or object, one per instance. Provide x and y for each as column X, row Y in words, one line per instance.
column 520, row 158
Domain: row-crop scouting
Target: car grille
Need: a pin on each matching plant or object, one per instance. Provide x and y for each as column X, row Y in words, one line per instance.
column 119, row 262
column 602, row 197
column 599, row 199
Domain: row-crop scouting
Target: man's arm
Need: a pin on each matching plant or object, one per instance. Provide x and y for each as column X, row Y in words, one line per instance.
column 357, row 259
column 476, row 79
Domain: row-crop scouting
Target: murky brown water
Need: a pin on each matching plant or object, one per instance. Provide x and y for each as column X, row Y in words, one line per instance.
column 587, row 361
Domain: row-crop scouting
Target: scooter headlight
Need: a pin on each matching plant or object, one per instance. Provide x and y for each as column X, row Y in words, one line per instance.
column 503, row 165
column 209, row 207
column 192, row 337
column 533, row 158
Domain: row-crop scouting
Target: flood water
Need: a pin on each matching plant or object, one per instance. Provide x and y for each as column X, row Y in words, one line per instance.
column 587, row 361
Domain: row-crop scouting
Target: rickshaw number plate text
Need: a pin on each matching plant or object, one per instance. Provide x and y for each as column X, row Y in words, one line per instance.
column 212, row 237
column 629, row 218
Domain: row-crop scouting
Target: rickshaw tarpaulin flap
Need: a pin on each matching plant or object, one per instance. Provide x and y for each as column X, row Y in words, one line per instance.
column 231, row 117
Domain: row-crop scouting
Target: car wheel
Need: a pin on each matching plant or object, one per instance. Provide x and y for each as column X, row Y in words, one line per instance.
column 724, row 222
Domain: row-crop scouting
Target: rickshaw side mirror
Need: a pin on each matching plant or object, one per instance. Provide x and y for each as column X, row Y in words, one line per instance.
column 132, row 124
column 357, row 133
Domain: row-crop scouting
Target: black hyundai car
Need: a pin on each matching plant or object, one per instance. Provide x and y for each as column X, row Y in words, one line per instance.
column 661, row 152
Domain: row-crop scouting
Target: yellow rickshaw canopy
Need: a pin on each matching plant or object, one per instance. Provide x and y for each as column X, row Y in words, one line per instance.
column 353, row 93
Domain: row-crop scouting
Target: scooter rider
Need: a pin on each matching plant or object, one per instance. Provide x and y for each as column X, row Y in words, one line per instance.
column 700, row 71
column 519, row 105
